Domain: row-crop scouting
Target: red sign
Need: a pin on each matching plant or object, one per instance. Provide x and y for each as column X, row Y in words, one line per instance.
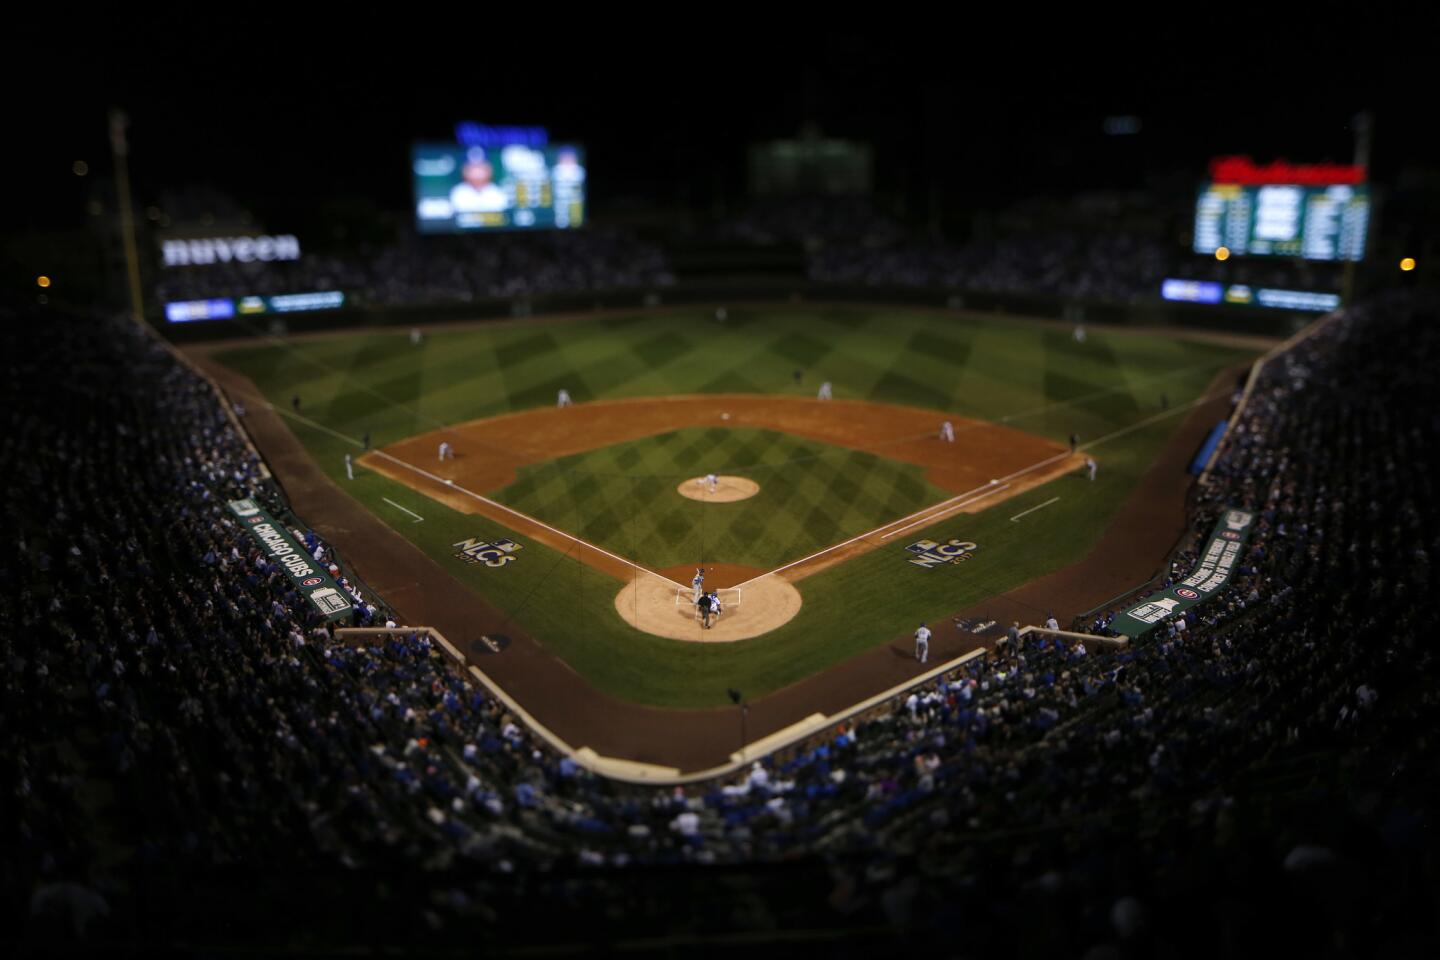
column 1243, row 170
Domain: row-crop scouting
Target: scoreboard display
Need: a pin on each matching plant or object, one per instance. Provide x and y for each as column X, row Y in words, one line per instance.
column 1283, row 220
column 476, row 187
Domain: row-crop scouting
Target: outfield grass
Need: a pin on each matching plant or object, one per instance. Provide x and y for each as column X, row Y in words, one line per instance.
column 1033, row 377
column 812, row 495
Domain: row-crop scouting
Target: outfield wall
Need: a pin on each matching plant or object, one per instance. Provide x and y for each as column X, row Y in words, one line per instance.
column 751, row 292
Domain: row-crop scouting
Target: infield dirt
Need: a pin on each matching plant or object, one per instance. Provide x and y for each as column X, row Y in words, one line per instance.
column 490, row 452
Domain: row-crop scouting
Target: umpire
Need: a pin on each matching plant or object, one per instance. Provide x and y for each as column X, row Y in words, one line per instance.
column 704, row 604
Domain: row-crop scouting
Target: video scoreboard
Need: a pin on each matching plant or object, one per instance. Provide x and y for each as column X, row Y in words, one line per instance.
column 503, row 178
column 1246, row 210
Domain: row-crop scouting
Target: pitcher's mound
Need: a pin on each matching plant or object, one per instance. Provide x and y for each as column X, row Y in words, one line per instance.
column 664, row 608
column 727, row 489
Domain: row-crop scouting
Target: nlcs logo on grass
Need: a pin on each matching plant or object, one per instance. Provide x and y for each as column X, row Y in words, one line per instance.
column 494, row 553
column 929, row 554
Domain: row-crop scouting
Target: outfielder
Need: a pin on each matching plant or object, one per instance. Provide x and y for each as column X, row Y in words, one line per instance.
column 922, row 643
column 349, row 468
column 947, row 432
column 1090, row 467
column 562, row 399
column 824, row 393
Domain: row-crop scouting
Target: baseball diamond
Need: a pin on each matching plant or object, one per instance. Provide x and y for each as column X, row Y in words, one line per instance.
column 846, row 486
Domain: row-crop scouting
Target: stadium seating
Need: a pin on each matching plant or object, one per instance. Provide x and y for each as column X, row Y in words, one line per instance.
column 168, row 700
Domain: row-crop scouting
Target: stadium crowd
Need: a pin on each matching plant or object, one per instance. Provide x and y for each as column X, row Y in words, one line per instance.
column 169, row 701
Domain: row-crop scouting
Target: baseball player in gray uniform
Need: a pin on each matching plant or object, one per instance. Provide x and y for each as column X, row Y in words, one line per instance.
column 922, row 643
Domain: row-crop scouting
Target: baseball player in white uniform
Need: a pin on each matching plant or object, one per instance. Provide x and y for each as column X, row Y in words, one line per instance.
column 447, row 452
column 562, row 399
column 713, row 481
column 349, row 468
column 922, row 643
column 824, row 393
column 1090, row 467
column 947, row 432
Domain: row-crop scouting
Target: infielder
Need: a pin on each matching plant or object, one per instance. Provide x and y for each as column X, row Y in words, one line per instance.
column 562, row 399
column 947, row 432
column 824, row 393
column 447, row 452
column 922, row 643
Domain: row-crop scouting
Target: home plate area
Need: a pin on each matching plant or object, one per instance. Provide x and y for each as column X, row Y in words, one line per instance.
column 660, row 606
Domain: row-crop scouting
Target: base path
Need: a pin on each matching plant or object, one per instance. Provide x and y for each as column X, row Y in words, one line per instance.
column 490, row 452
column 986, row 465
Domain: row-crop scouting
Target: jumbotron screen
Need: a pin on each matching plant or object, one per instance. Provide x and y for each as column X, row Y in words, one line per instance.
column 1315, row 212
column 463, row 189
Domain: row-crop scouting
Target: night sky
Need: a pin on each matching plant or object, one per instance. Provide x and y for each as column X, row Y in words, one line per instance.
column 284, row 111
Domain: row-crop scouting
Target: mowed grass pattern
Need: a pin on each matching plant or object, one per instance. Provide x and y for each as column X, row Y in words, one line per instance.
column 812, row 495
column 1034, row 377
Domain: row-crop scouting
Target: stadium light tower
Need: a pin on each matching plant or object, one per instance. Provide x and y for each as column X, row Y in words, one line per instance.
column 1364, row 126
column 120, row 149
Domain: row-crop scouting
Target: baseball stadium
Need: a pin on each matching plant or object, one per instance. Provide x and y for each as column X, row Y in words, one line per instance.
column 827, row 540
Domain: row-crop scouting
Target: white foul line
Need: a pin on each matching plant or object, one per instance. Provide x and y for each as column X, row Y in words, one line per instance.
column 932, row 512
column 1033, row 509
column 397, row 506
column 964, row 503
column 927, row 514
column 529, row 519
column 470, row 493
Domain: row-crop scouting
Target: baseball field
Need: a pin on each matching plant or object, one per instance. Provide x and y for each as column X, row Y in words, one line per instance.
column 582, row 525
